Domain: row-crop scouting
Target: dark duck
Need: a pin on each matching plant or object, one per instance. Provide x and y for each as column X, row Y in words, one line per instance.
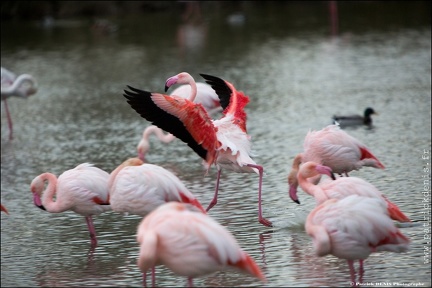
column 355, row 120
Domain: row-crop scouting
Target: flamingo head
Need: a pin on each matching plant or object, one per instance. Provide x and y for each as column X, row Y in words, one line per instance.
column 293, row 184
column 181, row 78
column 325, row 170
column 142, row 149
column 36, row 187
column 27, row 87
column 293, row 193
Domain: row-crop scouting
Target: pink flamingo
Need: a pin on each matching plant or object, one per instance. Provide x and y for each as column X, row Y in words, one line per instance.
column 83, row 190
column 189, row 243
column 204, row 95
column 22, row 86
column 223, row 142
column 144, row 144
column 332, row 147
column 340, row 188
column 138, row 188
column 3, row 208
column 352, row 228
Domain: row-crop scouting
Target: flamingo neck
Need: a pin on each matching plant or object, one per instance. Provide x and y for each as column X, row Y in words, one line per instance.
column 49, row 192
column 13, row 89
column 309, row 187
column 166, row 138
column 128, row 162
column 194, row 89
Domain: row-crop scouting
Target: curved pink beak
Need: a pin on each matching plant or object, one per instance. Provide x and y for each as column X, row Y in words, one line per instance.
column 171, row 81
column 293, row 194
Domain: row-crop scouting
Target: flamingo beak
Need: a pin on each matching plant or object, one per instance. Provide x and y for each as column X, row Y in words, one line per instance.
column 37, row 201
column 171, row 81
column 325, row 170
column 293, row 194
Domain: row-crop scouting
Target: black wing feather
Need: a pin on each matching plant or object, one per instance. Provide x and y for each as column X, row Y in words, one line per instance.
column 221, row 88
column 142, row 103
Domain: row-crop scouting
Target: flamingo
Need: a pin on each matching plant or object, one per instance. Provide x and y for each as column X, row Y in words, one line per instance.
column 352, row 228
column 223, row 142
column 144, row 144
column 342, row 187
column 138, row 188
column 3, row 208
column 354, row 120
column 335, row 148
column 204, row 95
column 22, row 86
column 189, row 243
column 83, row 190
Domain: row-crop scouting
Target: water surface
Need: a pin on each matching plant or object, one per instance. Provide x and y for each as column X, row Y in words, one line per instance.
column 297, row 75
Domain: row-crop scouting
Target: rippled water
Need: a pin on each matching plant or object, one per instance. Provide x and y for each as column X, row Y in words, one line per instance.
column 297, row 76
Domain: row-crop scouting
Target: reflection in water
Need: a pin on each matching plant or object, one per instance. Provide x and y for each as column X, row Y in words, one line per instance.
column 192, row 32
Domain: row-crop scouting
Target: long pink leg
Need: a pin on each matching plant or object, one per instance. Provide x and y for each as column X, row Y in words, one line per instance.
column 144, row 276
column 92, row 231
column 153, row 276
column 361, row 270
column 214, row 201
column 352, row 271
column 190, row 282
column 261, row 219
column 9, row 118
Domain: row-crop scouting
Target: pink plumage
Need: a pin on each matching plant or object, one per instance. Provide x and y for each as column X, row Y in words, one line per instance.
column 352, row 228
column 340, row 188
column 138, row 188
column 223, row 142
column 335, row 148
column 190, row 244
column 83, row 190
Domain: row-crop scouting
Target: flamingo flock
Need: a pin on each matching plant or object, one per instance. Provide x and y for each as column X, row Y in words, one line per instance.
column 351, row 220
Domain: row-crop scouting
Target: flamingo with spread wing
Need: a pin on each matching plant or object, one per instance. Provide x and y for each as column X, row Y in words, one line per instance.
column 223, row 142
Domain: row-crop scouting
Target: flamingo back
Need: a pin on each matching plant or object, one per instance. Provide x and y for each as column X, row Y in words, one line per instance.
column 193, row 244
column 140, row 189
column 84, row 188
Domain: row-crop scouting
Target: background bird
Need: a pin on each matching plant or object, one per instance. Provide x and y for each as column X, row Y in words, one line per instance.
column 138, row 188
column 83, row 190
column 22, row 86
column 335, row 148
column 223, row 142
column 352, row 228
column 342, row 187
column 355, row 120
column 190, row 244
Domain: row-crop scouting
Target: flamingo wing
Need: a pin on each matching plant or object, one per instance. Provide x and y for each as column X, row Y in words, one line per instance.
column 221, row 88
column 184, row 119
column 232, row 101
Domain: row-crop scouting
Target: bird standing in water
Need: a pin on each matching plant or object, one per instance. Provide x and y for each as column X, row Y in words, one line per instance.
column 190, row 244
column 223, row 142
column 22, row 86
column 352, row 228
column 83, row 190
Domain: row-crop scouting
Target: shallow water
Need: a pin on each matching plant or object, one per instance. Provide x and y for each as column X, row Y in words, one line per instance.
column 297, row 75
